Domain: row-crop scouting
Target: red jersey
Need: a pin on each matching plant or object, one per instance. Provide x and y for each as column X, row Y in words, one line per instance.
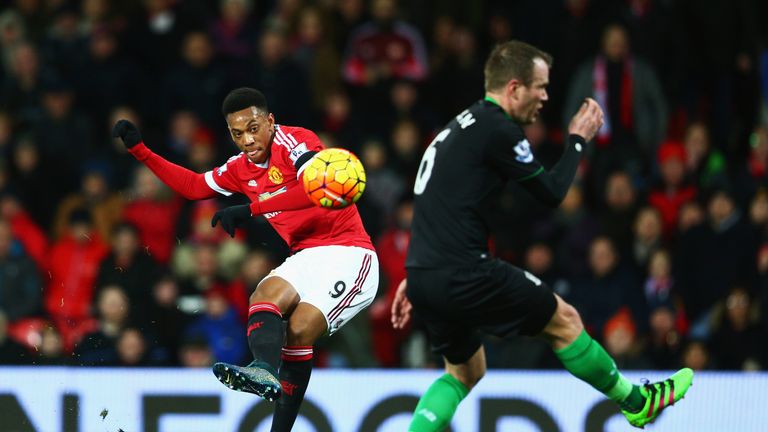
column 300, row 229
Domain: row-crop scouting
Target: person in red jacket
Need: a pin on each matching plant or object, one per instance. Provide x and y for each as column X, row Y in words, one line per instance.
column 392, row 248
column 674, row 190
column 74, row 259
column 332, row 274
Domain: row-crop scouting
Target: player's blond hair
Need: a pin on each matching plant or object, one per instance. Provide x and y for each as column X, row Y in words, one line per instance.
column 510, row 60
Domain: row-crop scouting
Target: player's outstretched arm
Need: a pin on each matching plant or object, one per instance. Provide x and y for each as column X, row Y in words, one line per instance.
column 401, row 307
column 186, row 183
column 551, row 186
column 293, row 199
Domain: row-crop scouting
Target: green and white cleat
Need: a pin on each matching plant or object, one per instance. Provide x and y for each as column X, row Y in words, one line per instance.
column 257, row 378
column 659, row 396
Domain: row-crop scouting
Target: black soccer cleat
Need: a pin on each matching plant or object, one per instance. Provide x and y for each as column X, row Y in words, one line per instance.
column 256, row 378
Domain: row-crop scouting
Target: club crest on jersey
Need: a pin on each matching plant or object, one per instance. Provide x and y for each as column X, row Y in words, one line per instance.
column 275, row 176
column 523, row 150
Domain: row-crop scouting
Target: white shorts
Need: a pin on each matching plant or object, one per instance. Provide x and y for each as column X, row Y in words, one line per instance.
column 339, row 280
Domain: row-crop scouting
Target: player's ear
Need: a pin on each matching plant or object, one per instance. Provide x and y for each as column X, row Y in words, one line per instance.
column 512, row 88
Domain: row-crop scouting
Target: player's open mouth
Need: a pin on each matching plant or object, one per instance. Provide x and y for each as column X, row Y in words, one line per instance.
column 253, row 153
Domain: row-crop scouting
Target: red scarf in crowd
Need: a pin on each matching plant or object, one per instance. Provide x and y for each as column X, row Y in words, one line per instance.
column 600, row 90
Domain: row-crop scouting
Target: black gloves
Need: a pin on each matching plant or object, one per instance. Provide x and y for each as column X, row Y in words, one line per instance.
column 232, row 217
column 128, row 132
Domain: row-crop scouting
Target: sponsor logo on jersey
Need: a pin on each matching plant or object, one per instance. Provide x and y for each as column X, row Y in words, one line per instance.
column 271, row 215
column 268, row 195
column 295, row 148
column 252, row 183
column 523, row 150
column 275, row 176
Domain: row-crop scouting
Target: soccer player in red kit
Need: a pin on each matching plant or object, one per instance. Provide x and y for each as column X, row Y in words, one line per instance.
column 332, row 274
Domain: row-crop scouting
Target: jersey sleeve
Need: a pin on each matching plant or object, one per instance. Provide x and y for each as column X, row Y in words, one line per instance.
column 224, row 179
column 297, row 146
column 510, row 153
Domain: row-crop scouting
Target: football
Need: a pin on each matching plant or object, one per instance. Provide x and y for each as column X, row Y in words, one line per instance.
column 334, row 178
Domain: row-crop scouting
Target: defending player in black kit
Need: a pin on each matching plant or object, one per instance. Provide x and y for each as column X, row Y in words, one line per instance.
column 457, row 289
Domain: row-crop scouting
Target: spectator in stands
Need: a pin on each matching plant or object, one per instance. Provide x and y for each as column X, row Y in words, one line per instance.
column 129, row 266
column 21, row 90
column 338, row 119
column 11, row 352
column 738, row 341
column 99, row 347
column 62, row 132
column 198, row 70
column 659, row 285
column 713, row 256
column 234, row 33
column 391, row 248
column 122, row 164
column 619, row 210
column 103, row 206
column 754, row 174
column 281, row 79
column 255, row 267
column 540, row 260
column 459, row 69
column 406, row 146
column 75, row 259
column 221, row 328
column 313, row 50
column 106, row 78
column 380, row 52
column 647, row 229
column 168, row 320
column 20, row 285
column 51, row 351
column 572, row 228
column 632, row 99
column 664, row 341
column 674, row 189
column 695, row 355
column 206, row 276
column 28, row 180
column 384, row 185
column 202, row 150
column 228, row 252
column 26, row 231
column 619, row 336
column 706, row 165
column 609, row 287
column 134, row 350
column 182, row 126
column 194, row 352
column 154, row 210
column 63, row 47
column 691, row 214
column 384, row 49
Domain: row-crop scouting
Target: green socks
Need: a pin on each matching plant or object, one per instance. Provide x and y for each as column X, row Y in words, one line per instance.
column 436, row 407
column 588, row 361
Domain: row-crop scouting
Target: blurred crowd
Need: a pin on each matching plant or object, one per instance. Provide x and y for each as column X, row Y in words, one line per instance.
column 661, row 243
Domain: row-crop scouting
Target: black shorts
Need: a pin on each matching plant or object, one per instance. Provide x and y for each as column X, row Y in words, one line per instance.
column 458, row 304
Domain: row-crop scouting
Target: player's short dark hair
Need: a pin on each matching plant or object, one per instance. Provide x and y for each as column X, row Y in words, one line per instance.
column 510, row 60
column 242, row 98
